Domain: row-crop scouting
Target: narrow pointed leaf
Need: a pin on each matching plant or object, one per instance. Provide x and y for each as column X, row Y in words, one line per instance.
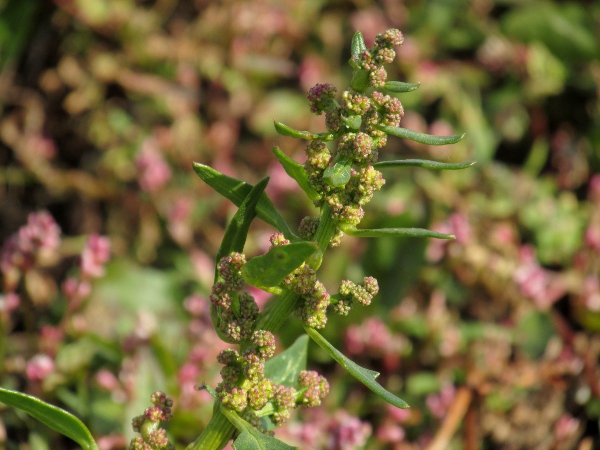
column 237, row 190
column 426, row 164
column 57, row 419
column 237, row 231
column 250, row 438
column 338, row 174
column 358, row 44
column 395, row 232
column 399, row 86
column 286, row 130
column 421, row 137
column 297, row 172
column 365, row 376
column 270, row 269
column 285, row 367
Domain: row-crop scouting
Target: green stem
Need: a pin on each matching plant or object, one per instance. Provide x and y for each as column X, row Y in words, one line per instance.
column 280, row 309
column 217, row 433
column 326, row 230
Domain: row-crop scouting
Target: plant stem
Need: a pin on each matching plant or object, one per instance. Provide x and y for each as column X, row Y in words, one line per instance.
column 280, row 309
column 217, row 433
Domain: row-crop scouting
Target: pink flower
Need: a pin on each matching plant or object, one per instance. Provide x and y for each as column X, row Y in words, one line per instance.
column 347, row 432
column 94, row 256
column 154, row 171
column 39, row 237
column 438, row 404
column 39, row 367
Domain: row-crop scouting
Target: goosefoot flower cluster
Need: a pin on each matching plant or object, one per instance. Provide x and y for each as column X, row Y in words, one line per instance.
column 258, row 390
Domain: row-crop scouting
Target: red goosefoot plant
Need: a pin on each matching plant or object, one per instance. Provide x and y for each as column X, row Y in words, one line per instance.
column 259, row 390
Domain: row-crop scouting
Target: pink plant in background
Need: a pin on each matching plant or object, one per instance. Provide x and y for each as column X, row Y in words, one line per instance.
column 34, row 242
column 535, row 282
column 154, row 171
column 438, row 404
column 94, row 256
column 39, row 367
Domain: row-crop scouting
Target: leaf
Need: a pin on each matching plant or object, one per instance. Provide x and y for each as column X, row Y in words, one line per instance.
column 338, row 174
column 365, row 376
column 420, row 137
column 360, row 80
column 426, row 164
column 285, row 367
column 297, row 172
column 399, row 86
column 353, row 122
column 270, row 269
column 358, row 44
column 52, row 416
column 237, row 231
column 250, row 438
column 286, row 130
column 394, row 232
column 237, row 190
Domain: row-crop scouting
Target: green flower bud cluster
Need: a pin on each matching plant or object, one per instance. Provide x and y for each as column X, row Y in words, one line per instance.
column 382, row 53
column 152, row 437
column 314, row 388
column 350, row 293
column 237, row 309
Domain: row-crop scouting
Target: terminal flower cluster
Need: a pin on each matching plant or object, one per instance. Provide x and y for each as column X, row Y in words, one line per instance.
column 355, row 121
column 152, row 437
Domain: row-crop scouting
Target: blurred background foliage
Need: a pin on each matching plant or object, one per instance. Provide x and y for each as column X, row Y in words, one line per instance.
column 492, row 338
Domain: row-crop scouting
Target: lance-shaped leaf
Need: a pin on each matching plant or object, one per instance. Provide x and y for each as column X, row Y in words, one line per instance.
column 270, row 269
column 250, row 438
column 338, row 174
column 237, row 231
column 420, row 137
column 365, row 376
column 57, row 419
column 237, row 190
column 394, row 232
column 399, row 86
column 285, row 367
column 358, row 44
column 424, row 163
column 297, row 172
column 286, row 130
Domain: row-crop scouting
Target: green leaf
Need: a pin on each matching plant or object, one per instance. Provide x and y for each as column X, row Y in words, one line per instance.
column 286, row 130
column 237, row 231
column 237, row 190
column 420, row 137
column 365, row 376
column 358, row 44
column 270, row 269
column 285, row 367
column 360, row 80
column 297, row 172
column 250, row 438
column 338, row 174
column 353, row 122
column 399, row 86
column 426, row 164
column 394, row 232
column 55, row 418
